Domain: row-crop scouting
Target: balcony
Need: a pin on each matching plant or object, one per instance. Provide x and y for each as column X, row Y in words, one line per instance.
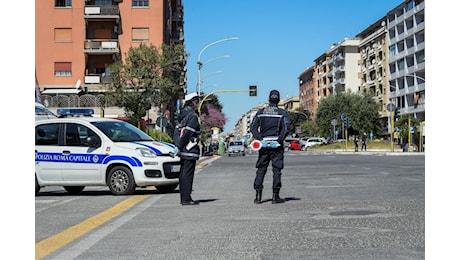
column 103, row 11
column 97, row 79
column 101, row 47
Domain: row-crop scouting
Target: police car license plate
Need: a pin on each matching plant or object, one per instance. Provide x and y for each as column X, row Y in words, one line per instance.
column 175, row 168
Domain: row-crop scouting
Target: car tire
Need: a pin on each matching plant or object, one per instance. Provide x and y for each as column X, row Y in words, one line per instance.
column 121, row 181
column 74, row 189
column 166, row 188
column 37, row 187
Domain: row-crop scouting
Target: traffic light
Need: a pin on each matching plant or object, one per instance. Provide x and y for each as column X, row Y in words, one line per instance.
column 397, row 112
column 347, row 122
column 252, row 91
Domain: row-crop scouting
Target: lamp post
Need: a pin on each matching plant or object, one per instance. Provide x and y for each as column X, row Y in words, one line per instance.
column 201, row 64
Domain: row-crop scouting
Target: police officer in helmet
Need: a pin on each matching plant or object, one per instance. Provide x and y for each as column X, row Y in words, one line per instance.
column 187, row 143
column 270, row 123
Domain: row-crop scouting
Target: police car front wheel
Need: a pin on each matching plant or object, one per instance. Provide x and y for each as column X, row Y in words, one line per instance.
column 121, row 181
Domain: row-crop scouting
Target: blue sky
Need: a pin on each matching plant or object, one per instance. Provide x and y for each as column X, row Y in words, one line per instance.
column 277, row 41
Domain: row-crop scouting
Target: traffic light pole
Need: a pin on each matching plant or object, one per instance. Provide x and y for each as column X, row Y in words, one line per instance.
column 392, row 131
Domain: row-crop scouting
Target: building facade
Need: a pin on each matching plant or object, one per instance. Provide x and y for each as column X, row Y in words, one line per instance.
column 374, row 68
column 308, row 93
column 406, row 32
column 77, row 41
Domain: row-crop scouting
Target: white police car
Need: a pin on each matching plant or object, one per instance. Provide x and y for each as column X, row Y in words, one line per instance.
column 75, row 152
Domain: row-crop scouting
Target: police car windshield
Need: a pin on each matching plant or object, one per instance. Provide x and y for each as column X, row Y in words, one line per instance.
column 119, row 131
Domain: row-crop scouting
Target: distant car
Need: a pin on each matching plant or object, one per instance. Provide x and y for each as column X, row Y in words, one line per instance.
column 303, row 141
column 236, row 148
column 413, row 147
column 287, row 142
column 294, row 145
column 313, row 141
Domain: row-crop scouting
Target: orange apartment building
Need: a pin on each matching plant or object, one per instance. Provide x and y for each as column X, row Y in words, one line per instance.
column 307, row 91
column 76, row 41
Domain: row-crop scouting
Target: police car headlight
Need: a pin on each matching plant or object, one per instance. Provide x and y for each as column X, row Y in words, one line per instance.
column 146, row 152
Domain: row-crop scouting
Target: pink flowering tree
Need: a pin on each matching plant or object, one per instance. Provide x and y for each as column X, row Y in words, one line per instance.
column 213, row 118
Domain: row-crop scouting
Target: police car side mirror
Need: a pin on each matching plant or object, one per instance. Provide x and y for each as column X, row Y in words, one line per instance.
column 93, row 141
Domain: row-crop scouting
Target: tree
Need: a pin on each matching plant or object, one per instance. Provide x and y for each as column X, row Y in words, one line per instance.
column 402, row 125
column 360, row 108
column 213, row 100
column 144, row 78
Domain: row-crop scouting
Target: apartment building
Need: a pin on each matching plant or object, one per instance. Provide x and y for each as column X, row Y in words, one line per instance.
column 308, row 93
column 337, row 69
column 76, row 41
column 406, row 32
column 373, row 65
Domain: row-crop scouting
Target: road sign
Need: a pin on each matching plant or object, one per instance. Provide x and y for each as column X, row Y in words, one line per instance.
column 334, row 122
column 391, row 107
column 342, row 117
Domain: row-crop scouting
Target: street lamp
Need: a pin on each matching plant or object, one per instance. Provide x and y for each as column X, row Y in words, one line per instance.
column 209, row 75
column 201, row 64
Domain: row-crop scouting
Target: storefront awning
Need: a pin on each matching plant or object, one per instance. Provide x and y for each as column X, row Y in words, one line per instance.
column 61, row 91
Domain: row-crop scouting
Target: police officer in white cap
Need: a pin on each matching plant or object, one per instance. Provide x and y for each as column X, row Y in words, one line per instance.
column 270, row 123
column 187, row 143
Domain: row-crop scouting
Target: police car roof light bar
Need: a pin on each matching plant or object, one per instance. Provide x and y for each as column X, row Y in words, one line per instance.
column 63, row 112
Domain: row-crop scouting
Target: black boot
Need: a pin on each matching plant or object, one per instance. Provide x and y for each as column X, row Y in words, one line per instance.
column 258, row 198
column 276, row 198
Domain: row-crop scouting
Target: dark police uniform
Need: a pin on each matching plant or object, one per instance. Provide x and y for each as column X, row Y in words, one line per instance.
column 270, row 122
column 189, row 155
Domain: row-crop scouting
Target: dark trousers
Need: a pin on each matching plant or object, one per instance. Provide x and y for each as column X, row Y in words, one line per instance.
column 276, row 156
column 187, row 172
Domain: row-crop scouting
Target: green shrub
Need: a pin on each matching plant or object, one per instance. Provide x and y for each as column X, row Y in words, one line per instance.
column 155, row 134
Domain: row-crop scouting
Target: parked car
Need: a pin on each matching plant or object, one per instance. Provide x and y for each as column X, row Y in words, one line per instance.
column 41, row 112
column 303, row 141
column 313, row 141
column 294, row 145
column 236, row 148
column 287, row 142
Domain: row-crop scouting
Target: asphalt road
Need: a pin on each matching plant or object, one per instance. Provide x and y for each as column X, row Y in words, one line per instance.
column 355, row 206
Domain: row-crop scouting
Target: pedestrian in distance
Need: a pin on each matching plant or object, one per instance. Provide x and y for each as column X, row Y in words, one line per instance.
column 364, row 142
column 187, row 142
column 356, row 143
column 270, row 125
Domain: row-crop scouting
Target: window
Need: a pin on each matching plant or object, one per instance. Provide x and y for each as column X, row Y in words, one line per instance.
column 140, row 3
column 47, row 134
column 77, row 135
column 392, row 50
column 62, row 34
column 63, row 69
column 140, row 34
column 401, row 65
column 62, row 3
column 420, row 56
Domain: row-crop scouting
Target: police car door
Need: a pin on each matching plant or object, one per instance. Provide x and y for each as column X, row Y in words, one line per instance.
column 47, row 164
column 82, row 164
